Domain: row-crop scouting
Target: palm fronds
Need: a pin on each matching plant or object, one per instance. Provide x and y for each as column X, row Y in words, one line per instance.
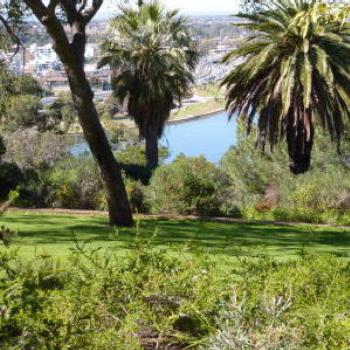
column 296, row 72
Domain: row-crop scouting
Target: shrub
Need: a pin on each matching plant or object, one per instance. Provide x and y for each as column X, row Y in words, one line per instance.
column 100, row 301
column 6, row 234
column 150, row 298
column 186, row 186
column 287, row 306
column 312, row 197
column 30, row 148
column 75, row 183
column 132, row 159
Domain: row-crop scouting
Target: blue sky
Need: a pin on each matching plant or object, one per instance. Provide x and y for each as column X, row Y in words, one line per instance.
column 188, row 6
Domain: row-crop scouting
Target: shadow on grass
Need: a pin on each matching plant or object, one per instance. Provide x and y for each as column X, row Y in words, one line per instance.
column 221, row 238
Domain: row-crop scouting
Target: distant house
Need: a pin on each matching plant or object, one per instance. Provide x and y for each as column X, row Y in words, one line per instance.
column 44, row 58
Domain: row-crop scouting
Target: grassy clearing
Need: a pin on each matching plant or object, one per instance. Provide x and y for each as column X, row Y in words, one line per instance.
column 55, row 234
column 194, row 285
column 197, row 109
column 209, row 90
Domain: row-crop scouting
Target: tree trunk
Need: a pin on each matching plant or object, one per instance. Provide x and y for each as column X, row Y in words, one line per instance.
column 152, row 150
column 118, row 204
column 300, row 137
column 72, row 54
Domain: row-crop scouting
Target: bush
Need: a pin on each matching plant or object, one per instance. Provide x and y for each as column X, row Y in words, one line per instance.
column 10, row 178
column 155, row 299
column 132, row 159
column 100, row 301
column 75, row 183
column 318, row 196
column 186, row 186
column 287, row 306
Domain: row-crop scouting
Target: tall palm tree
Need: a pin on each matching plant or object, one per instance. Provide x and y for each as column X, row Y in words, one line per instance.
column 295, row 73
column 152, row 56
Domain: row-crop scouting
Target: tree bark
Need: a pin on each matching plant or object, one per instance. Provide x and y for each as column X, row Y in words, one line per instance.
column 72, row 54
column 118, row 204
column 300, row 138
column 152, row 150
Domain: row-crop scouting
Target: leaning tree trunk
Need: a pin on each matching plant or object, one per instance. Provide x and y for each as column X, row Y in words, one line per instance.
column 152, row 150
column 300, row 137
column 118, row 204
column 71, row 50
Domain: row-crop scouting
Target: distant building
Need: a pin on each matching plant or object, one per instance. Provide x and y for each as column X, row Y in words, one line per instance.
column 44, row 58
column 90, row 51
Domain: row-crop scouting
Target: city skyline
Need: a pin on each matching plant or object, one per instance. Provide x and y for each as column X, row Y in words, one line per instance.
column 204, row 7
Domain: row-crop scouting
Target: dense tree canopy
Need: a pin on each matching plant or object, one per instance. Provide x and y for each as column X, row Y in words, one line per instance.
column 296, row 72
column 19, row 102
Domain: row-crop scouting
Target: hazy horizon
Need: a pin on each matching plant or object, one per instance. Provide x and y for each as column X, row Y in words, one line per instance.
column 194, row 7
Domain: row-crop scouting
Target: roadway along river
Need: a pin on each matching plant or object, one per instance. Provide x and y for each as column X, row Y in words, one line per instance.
column 210, row 136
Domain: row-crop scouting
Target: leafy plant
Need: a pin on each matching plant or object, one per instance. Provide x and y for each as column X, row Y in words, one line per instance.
column 186, row 186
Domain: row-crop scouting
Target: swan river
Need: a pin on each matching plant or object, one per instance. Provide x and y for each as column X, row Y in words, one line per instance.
column 210, row 136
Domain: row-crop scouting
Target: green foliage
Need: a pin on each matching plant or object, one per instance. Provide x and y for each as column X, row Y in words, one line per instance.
column 61, row 114
column 19, row 102
column 75, row 183
column 151, row 298
column 320, row 195
column 186, row 186
column 28, row 156
column 147, row 297
column 23, row 112
column 108, row 108
column 132, row 159
column 297, row 305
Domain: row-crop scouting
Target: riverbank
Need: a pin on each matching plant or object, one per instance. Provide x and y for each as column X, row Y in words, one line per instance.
column 181, row 115
column 188, row 118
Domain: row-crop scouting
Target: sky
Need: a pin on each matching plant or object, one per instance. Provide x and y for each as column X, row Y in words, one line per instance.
column 192, row 7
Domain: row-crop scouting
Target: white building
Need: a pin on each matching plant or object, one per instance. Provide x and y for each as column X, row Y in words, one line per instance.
column 90, row 51
column 44, row 58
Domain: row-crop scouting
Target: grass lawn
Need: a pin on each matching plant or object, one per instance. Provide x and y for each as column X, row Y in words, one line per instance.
column 198, row 109
column 55, row 234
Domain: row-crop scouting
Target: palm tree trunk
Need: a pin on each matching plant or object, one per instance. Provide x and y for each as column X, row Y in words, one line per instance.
column 300, row 137
column 152, row 150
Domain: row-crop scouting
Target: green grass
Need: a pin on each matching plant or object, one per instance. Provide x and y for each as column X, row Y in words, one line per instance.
column 197, row 109
column 55, row 234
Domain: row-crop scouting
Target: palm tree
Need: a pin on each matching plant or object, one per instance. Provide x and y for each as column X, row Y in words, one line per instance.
column 295, row 73
column 152, row 56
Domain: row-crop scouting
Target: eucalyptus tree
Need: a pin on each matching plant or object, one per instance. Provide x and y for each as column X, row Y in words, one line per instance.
column 152, row 56
column 66, row 22
column 295, row 73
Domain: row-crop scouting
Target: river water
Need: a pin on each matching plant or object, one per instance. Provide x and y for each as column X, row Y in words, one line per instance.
column 210, row 136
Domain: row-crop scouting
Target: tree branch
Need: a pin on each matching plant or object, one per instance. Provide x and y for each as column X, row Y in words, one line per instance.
column 54, row 27
column 82, row 6
column 51, row 8
column 70, row 9
column 38, row 8
column 91, row 12
column 12, row 34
